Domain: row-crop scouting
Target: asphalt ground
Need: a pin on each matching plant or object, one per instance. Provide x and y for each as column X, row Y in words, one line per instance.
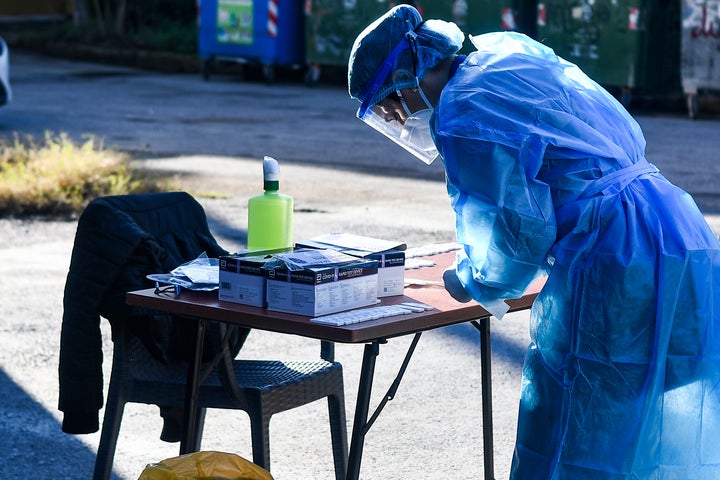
column 211, row 137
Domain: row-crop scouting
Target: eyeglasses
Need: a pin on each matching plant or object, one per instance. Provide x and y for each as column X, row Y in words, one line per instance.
column 167, row 290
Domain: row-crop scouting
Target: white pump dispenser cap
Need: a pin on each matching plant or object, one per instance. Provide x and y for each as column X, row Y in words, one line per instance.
column 271, row 174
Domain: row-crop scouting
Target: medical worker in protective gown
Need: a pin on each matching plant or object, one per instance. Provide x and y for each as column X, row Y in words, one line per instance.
column 546, row 173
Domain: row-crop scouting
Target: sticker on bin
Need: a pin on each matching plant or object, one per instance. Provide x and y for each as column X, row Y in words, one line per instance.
column 350, row 317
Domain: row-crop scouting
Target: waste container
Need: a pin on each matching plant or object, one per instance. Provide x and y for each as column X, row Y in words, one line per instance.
column 631, row 45
column 700, row 49
column 331, row 26
column 482, row 16
column 268, row 32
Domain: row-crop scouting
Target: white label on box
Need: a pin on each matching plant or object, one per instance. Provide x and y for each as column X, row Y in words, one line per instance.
column 314, row 300
column 241, row 288
column 391, row 281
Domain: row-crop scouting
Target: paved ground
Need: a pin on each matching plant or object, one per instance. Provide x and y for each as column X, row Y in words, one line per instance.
column 432, row 429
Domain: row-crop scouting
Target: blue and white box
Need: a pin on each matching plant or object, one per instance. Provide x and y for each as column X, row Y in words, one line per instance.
column 319, row 282
column 243, row 277
column 389, row 255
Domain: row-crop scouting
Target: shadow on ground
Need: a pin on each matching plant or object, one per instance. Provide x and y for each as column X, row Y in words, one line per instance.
column 31, row 442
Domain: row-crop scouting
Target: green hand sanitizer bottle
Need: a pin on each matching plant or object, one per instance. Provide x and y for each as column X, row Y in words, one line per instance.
column 270, row 214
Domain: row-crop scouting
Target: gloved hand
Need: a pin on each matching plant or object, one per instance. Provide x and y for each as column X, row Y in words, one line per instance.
column 454, row 286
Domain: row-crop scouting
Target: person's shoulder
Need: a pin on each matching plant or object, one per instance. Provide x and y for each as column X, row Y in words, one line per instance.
column 510, row 44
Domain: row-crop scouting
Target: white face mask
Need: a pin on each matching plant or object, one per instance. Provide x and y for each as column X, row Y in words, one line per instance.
column 413, row 135
column 416, row 132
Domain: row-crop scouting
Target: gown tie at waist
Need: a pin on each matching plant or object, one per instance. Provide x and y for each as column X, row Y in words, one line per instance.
column 616, row 181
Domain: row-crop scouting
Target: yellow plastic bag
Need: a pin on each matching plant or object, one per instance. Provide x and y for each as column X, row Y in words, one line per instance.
column 205, row 466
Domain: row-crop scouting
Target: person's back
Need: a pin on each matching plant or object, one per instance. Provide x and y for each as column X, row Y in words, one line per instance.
column 574, row 131
column 627, row 309
column 514, row 87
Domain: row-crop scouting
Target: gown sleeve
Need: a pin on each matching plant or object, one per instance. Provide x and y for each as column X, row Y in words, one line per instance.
column 504, row 218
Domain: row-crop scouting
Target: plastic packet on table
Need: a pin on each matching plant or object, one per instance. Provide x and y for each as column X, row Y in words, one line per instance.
column 311, row 257
column 202, row 274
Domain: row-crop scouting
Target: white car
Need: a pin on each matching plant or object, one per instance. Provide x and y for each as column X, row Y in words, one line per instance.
column 5, row 92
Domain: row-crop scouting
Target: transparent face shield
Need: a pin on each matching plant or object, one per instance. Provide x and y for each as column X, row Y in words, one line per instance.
column 391, row 117
column 410, row 131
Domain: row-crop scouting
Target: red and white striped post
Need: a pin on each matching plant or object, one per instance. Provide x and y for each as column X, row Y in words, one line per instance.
column 272, row 18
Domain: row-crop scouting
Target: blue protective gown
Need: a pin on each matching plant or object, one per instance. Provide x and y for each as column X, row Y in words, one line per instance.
column 546, row 173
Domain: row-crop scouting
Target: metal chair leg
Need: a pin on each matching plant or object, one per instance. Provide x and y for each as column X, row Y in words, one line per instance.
column 109, row 435
column 338, row 433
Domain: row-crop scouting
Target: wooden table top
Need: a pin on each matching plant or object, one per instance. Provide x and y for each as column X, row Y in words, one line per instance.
column 446, row 311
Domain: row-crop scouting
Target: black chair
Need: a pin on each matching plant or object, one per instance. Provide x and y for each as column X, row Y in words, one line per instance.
column 126, row 238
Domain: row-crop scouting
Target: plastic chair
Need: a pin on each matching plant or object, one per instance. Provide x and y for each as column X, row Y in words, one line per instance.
column 259, row 387
column 121, row 239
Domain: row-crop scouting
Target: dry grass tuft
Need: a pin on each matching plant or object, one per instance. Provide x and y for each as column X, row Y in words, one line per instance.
column 57, row 176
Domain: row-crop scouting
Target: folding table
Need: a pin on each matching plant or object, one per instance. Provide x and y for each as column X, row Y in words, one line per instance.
column 203, row 306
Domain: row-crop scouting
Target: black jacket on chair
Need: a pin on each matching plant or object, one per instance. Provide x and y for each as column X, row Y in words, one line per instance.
column 120, row 240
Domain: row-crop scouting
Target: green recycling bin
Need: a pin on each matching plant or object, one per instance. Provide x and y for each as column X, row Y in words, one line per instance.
column 476, row 17
column 624, row 45
column 331, row 26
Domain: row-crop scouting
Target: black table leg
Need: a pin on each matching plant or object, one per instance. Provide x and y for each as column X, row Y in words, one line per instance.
column 361, row 409
column 187, row 444
column 483, row 325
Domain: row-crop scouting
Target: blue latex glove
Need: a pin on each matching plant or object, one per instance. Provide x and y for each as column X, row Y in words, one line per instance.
column 454, row 286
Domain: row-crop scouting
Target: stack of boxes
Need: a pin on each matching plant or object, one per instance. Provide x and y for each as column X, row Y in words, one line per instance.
column 323, row 275
column 319, row 282
column 389, row 255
